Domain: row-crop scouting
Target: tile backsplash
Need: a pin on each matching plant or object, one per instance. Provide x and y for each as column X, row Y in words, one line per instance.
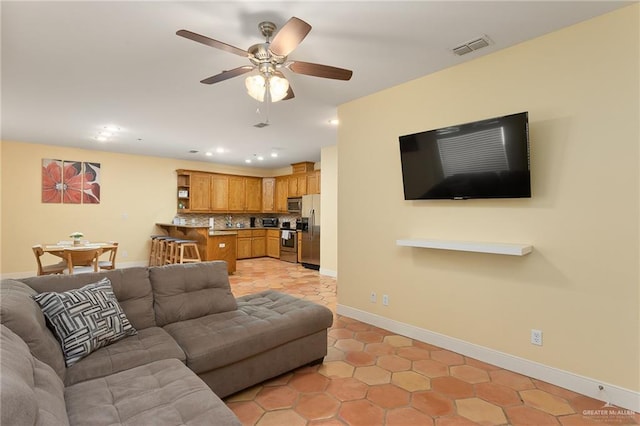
column 220, row 220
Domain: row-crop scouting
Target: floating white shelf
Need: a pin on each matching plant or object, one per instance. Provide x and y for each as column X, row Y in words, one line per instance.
column 494, row 248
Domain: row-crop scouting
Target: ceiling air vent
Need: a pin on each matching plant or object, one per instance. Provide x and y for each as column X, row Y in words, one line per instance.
column 472, row 45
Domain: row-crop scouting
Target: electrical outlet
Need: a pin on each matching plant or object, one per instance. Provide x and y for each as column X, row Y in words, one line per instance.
column 373, row 297
column 536, row 337
column 385, row 300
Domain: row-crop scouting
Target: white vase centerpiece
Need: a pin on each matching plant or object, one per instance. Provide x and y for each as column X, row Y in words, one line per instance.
column 76, row 237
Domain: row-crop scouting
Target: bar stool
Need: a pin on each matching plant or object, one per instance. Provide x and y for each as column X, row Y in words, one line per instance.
column 160, row 251
column 186, row 251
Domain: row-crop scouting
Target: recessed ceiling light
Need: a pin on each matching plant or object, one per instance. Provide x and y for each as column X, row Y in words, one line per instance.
column 208, row 154
column 274, row 154
column 334, row 122
column 248, row 160
column 112, row 128
column 101, row 139
column 260, row 158
column 220, row 150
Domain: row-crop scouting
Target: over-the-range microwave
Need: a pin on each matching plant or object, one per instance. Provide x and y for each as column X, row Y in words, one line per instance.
column 294, row 204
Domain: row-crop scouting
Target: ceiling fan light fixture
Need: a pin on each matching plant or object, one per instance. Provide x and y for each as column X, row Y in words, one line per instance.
column 257, row 87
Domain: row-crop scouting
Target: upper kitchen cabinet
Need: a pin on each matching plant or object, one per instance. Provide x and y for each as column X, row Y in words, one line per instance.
column 282, row 192
column 268, row 195
column 313, row 182
column 297, row 185
column 219, row 193
column 245, row 194
column 184, row 191
column 200, row 192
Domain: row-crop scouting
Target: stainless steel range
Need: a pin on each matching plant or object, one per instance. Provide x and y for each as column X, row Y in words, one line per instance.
column 289, row 245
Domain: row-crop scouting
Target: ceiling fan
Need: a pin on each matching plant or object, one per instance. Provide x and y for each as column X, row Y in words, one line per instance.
column 268, row 58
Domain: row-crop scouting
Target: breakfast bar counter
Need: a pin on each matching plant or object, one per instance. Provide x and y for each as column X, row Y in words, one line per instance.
column 212, row 244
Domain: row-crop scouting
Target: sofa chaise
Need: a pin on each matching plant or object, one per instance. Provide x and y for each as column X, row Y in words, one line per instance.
column 192, row 343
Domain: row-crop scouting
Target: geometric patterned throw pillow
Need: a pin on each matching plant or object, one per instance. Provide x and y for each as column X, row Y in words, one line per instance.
column 85, row 319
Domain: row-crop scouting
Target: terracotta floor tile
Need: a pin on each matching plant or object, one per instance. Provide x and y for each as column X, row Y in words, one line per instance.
column 369, row 337
column 393, row 363
column 398, row 341
column 313, row 406
column 280, row 418
column 378, row 349
column 411, row 381
column 480, row 411
column 497, row 394
column 432, row 403
column 313, row 382
column 407, row 416
column 430, row 368
column 469, row 374
column 361, row 413
column 388, row 396
column 360, row 359
column 513, row 380
column 546, row 402
column 374, row 377
column 447, row 357
column 452, row 387
column 276, row 397
column 347, row 389
column 248, row 412
column 349, row 345
column 336, row 369
column 413, row 353
column 521, row 415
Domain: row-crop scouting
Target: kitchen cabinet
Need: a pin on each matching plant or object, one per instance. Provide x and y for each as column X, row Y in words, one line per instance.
column 223, row 247
column 200, row 192
column 297, row 185
column 282, row 192
column 259, row 243
column 245, row 194
column 184, row 189
column 251, row 243
column 268, row 195
column 273, row 243
column 219, row 193
column 313, row 182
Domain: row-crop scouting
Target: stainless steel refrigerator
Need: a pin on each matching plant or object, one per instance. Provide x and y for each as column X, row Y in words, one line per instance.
column 311, row 231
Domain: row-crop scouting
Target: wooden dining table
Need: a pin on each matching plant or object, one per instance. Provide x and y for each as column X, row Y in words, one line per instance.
column 57, row 249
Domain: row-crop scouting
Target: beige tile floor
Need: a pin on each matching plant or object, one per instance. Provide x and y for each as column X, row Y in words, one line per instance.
column 372, row 376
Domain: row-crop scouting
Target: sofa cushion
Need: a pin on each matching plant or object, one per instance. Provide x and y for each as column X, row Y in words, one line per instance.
column 31, row 393
column 262, row 321
column 150, row 344
column 130, row 285
column 159, row 393
column 186, row 291
column 85, row 319
column 20, row 313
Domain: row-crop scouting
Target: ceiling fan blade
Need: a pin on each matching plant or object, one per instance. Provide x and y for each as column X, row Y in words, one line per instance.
column 318, row 70
column 211, row 42
column 225, row 75
column 290, row 94
column 289, row 37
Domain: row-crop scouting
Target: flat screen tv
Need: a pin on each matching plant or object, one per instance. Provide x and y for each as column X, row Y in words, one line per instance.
column 482, row 159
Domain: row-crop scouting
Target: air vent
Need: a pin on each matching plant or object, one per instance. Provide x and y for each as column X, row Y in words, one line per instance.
column 472, row 45
column 261, row 125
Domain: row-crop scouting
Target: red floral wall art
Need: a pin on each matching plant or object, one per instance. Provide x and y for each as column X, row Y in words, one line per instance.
column 70, row 182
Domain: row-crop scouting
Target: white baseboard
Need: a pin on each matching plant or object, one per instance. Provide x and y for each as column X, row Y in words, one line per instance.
column 612, row 394
column 27, row 274
column 328, row 272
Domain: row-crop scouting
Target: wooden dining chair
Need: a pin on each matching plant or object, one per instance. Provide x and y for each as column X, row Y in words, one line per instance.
column 111, row 262
column 82, row 260
column 57, row 268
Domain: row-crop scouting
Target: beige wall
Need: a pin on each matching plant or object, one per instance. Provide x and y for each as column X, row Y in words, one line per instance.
column 329, row 217
column 136, row 192
column 581, row 283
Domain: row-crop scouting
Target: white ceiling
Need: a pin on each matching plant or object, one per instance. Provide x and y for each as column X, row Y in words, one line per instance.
column 71, row 68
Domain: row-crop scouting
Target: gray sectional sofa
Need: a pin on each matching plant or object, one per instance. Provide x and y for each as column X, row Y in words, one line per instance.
column 194, row 344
